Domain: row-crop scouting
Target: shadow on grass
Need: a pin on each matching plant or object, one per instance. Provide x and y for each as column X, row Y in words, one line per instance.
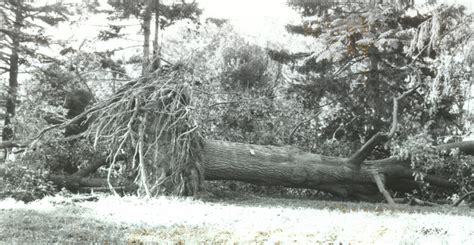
column 241, row 198
column 64, row 225
column 72, row 225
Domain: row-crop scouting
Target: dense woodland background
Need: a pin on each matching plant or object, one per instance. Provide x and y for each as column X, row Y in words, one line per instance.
column 329, row 92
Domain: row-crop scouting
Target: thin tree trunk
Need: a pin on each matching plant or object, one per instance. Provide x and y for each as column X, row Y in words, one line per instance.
column 146, row 34
column 156, row 47
column 8, row 133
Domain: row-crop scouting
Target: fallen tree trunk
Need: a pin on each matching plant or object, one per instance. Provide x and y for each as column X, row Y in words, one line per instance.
column 170, row 157
column 291, row 167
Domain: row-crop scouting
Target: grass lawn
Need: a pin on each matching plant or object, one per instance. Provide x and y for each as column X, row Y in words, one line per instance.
column 245, row 220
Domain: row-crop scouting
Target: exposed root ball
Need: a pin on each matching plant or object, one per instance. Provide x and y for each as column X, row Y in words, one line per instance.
column 150, row 121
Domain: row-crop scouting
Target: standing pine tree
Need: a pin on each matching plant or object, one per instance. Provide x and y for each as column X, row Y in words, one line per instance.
column 372, row 52
column 164, row 15
column 23, row 32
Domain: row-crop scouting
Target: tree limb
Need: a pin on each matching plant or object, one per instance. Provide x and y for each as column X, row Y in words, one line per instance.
column 53, row 118
column 381, row 186
column 28, row 143
column 290, row 138
column 462, row 198
column 11, row 144
column 358, row 157
column 91, row 168
column 466, row 147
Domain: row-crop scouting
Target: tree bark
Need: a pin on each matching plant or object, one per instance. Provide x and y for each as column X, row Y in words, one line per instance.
column 291, row 167
column 156, row 47
column 146, row 33
column 466, row 147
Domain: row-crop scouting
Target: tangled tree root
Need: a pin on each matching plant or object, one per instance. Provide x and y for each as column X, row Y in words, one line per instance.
column 150, row 120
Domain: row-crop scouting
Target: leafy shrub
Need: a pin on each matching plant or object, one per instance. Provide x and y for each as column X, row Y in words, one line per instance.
column 26, row 183
column 426, row 159
column 61, row 157
column 28, row 173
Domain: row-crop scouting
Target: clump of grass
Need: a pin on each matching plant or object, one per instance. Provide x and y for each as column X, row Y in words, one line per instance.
column 65, row 226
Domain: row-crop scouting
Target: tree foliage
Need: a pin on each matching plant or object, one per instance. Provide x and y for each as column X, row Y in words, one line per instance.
column 24, row 34
column 164, row 16
column 170, row 13
column 371, row 54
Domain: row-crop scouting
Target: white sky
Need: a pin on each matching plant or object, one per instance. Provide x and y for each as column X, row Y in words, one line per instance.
column 262, row 20
column 249, row 12
column 257, row 17
column 265, row 19
column 468, row 3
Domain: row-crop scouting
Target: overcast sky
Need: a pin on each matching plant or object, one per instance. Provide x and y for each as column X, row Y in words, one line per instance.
column 256, row 16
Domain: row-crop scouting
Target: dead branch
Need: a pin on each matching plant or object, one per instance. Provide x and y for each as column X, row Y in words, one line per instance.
column 290, row 138
column 342, row 126
column 29, row 143
column 378, row 177
column 91, row 168
column 53, row 119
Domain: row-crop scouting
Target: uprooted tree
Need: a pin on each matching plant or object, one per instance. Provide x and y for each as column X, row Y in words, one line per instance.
column 152, row 128
column 150, row 123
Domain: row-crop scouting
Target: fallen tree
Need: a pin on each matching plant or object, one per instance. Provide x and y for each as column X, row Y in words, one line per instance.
column 150, row 120
column 288, row 166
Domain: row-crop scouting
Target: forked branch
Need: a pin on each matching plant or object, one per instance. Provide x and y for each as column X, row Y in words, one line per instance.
column 361, row 155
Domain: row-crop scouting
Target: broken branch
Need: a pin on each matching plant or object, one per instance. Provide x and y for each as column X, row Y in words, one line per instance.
column 361, row 155
column 380, row 184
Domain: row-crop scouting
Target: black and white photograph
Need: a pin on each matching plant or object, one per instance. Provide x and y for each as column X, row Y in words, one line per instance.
column 237, row 122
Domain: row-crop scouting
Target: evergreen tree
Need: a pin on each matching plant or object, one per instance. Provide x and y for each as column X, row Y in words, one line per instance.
column 23, row 32
column 164, row 15
column 373, row 52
